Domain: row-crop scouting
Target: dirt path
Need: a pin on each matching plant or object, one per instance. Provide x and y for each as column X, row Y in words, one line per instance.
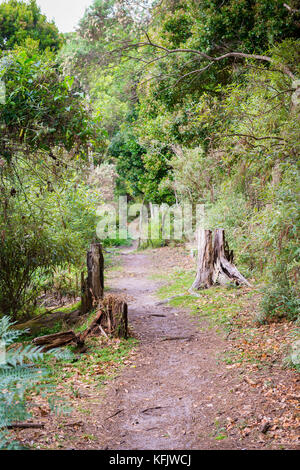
column 177, row 396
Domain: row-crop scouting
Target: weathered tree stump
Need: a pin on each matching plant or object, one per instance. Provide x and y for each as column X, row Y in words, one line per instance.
column 93, row 286
column 205, row 260
column 215, row 262
column 110, row 319
column 224, row 271
column 116, row 316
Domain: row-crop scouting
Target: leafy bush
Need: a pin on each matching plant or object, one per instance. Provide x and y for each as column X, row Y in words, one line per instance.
column 281, row 301
column 43, row 109
column 43, row 243
column 26, row 252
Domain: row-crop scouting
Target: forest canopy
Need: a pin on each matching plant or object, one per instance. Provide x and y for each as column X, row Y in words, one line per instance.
column 172, row 101
column 20, row 20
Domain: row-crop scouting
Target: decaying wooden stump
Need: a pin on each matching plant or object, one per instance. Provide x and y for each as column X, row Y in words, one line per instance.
column 110, row 319
column 116, row 316
column 205, row 260
column 215, row 261
column 92, row 287
column 224, row 271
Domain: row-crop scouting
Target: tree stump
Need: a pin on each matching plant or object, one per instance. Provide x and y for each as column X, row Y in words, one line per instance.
column 224, row 271
column 215, row 262
column 116, row 316
column 205, row 260
column 110, row 319
column 93, row 286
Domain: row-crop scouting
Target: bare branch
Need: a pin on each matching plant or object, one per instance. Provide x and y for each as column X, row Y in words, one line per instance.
column 211, row 59
column 254, row 137
column 290, row 9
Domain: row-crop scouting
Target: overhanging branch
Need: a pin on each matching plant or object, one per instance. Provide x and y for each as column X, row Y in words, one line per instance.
column 212, row 60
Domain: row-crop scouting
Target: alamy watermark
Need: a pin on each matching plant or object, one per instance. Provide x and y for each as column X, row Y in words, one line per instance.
column 2, row 92
column 2, row 353
column 149, row 221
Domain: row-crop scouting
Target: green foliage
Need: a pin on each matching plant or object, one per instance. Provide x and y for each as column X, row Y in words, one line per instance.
column 16, row 376
column 129, row 162
column 24, row 256
column 21, row 372
column 248, row 26
column 43, row 109
column 46, row 228
column 21, row 20
column 48, row 207
column 281, row 300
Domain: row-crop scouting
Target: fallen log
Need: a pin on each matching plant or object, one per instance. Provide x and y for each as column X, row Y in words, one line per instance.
column 57, row 340
column 26, row 426
column 95, row 323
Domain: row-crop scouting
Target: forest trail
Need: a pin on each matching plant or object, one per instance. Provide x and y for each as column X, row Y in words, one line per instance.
column 176, row 396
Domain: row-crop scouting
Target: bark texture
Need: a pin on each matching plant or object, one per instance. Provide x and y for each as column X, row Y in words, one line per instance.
column 205, row 260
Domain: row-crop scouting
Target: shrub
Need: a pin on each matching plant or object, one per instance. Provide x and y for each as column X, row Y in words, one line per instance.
column 25, row 252
column 281, row 301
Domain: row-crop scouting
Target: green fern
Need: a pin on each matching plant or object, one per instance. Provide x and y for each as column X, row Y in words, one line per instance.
column 18, row 374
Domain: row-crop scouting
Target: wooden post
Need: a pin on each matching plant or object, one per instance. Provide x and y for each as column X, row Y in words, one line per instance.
column 93, row 286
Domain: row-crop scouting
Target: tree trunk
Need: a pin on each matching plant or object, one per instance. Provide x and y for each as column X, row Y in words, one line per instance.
column 205, row 260
column 92, row 287
column 215, row 261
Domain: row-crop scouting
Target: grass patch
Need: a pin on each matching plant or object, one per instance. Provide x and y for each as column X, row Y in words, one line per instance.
column 220, row 304
column 68, row 308
column 101, row 362
column 177, row 283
